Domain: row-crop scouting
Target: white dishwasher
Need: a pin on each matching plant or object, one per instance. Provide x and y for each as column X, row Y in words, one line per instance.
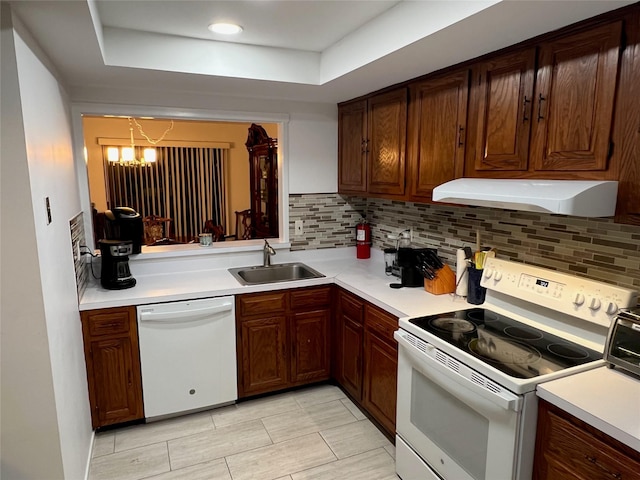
column 187, row 355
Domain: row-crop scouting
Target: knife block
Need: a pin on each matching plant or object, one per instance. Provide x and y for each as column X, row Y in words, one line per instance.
column 445, row 282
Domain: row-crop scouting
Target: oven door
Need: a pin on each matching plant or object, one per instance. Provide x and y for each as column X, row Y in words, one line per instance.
column 459, row 427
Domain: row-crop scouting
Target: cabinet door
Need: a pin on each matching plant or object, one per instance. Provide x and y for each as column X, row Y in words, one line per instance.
column 437, row 128
column 568, row 448
column 503, row 93
column 350, row 362
column 352, row 134
column 386, row 142
column 264, row 354
column 310, row 346
column 573, row 107
column 380, row 380
column 349, row 343
column 115, row 391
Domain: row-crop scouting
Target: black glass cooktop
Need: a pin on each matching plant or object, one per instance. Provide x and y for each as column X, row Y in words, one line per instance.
column 510, row 346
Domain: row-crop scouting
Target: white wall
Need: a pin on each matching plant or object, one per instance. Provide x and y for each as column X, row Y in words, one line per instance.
column 45, row 408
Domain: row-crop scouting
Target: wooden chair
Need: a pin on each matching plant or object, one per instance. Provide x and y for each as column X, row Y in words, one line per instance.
column 216, row 231
column 156, row 228
column 243, row 225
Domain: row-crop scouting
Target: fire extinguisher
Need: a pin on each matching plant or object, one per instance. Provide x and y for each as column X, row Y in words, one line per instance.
column 363, row 239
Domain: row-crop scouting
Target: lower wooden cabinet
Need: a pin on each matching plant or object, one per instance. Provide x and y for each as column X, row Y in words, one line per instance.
column 349, row 343
column 366, row 357
column 310, row 344
column 264, row 354
column 380, row 367
column 113, row 365
column 283, row 339
column 569, row 449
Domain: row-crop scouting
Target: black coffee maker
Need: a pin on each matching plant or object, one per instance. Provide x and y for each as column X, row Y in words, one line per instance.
column 115, row 273
column 124, row 223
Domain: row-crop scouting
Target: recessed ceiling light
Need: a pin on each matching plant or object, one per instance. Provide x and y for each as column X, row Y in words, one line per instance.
column 225, row 28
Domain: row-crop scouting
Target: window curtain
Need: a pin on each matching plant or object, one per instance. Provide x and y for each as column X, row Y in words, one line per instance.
column 185, row 184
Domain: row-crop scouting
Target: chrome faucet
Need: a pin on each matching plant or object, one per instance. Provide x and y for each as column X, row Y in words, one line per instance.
column 267, row 251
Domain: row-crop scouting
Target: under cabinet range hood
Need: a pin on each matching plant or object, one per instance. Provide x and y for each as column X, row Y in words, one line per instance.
column 581, row 198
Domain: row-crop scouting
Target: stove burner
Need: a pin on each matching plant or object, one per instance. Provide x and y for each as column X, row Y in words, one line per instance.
column 515, row 349
column 523, row 333
column 511, row 354
column 452, row 324
column 480, row 315
column 568, row 351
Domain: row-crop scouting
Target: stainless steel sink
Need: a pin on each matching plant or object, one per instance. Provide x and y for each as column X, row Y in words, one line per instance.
column 283, row 272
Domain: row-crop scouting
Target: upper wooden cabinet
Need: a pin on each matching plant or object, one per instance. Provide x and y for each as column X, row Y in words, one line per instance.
column 352, row 135
column 386, row 142
column 573, row 107
column 371, row 144
column 437, row 132
column 560, row 106
column 500, row 116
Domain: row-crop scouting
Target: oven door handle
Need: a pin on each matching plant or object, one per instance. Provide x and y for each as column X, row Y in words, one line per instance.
column 505, row 399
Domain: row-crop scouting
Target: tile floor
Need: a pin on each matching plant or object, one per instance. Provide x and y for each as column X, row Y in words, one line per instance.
column 315, row 433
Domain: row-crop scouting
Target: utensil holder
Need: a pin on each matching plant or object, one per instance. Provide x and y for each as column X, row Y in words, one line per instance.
column 476, row 292
column 445, row 282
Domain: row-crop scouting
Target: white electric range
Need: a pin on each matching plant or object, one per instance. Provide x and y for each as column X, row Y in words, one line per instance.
column 467, row 407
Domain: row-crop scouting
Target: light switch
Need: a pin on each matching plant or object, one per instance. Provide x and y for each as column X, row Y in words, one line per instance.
column 298, row 227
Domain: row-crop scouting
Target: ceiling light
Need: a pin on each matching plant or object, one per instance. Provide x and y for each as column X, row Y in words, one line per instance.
column 225, row 28
column 127, row 155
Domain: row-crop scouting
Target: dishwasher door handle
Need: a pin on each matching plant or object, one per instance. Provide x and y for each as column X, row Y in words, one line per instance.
column 182, row 316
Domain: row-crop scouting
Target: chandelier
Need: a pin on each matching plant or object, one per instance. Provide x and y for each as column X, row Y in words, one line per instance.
column 129, row 156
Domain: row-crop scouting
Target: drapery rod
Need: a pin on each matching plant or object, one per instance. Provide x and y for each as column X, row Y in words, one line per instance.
column 125, row 142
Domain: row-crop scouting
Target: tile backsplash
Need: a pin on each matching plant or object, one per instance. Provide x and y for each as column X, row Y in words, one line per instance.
column 329, row 220
column 594, row 248
column 76, row 226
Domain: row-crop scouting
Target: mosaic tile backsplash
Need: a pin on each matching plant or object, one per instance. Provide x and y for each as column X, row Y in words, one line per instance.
column 76, row 225
column 594, row 248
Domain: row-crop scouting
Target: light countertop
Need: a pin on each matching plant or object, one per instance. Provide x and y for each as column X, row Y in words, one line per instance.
column 606, row 399
column 365, row 278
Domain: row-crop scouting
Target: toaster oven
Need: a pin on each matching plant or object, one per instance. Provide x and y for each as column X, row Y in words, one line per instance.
column 623, row 342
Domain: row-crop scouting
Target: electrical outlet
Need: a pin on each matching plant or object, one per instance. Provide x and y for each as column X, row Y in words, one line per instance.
column 298, row 227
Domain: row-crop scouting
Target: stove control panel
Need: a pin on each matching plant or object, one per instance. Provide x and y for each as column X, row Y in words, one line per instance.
column 596, row 302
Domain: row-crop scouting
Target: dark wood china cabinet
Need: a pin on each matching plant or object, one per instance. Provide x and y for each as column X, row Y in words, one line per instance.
column 263, row 164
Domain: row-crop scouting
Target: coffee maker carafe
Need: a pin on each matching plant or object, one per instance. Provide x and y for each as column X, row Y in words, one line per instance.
column 115, row 273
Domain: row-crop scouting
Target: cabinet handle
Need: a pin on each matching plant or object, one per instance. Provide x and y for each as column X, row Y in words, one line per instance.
column 540, row 100
column 366, row 146
column 594, row 461
column 460, row 133
column 524, row 109
column 130, row 380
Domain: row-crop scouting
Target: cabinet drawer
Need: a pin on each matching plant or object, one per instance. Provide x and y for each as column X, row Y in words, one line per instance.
column 256, row 304
column 108, row 323
column 351, row 307
column 309, row 298
column 380, row 322
column 586, row 454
